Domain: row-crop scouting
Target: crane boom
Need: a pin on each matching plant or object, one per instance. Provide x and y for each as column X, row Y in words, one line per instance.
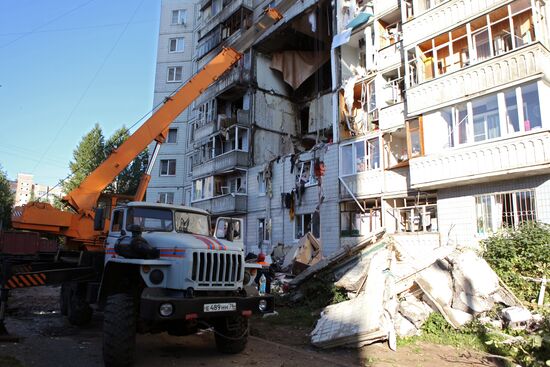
column 81, row 227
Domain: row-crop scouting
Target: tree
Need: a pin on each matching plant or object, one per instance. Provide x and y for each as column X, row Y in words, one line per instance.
column 89, row 154
column 128, row 180
column 93, row 150
column 6, row 200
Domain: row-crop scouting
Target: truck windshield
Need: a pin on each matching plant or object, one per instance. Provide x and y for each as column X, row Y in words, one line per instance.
column 191, row 223
column 150, row 219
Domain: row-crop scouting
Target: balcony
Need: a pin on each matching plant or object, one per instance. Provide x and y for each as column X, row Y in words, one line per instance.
column 237, row 75
column 498, row 71
column 445, row 16
column 390, row 56
column 206, row 25
column 222, row 163
column 505, row 158
column 204, row 131
column 392, row 117
column 374, row 183
column 382, row 7
column 225, row 204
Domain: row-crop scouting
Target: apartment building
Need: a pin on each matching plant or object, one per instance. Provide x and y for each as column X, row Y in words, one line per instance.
column 176, row 47
column 354, row 115
column 26, row 190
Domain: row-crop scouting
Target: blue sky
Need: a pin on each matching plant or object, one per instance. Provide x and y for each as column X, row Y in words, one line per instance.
column 66, row 65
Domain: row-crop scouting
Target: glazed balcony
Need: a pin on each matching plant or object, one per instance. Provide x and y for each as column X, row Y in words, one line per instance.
column 392, row 117
column 382, row 7
column 225, row 204
column 445, row 16
column 390, row 56
column 222, row 163
column 498, row 71
column 206, row 25
column 506, row 158
column 374, row 183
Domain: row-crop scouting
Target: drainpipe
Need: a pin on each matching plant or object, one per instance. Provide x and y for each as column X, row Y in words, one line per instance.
column 334, row 80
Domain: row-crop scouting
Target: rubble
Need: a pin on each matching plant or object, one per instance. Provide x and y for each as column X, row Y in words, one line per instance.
column 392, row 290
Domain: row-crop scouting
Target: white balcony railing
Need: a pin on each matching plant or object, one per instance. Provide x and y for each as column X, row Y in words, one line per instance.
column 384, row 6
column 374, row 182
column 445, row 16
column 223, row 162
column 389, row 56
column 230, row 203
column 483, row 161
column 392, row 117
column 501, row 70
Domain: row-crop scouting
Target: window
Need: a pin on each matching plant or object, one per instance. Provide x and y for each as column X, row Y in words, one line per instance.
column 486, row 121
column 305, row 223
column 116, row 225
column 172, row 137
column 174, row 74
column 354, row 222
column 190, row 166
column 235, row 138
column 179, row 16
column 359, row 156
column 151, row 219
column 167, row 167
column 415, row 138
column 166, row 198
column 263, row 231
column 306, row 174
column 261, row 183
column 176, row 44
column 203, row 188
column 505, row 209
column 415, row 213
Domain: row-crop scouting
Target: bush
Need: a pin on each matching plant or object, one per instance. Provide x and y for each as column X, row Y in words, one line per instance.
column 523, row 252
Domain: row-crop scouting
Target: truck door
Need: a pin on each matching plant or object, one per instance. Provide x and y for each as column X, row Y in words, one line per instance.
column 230, row 229
column 117, row 227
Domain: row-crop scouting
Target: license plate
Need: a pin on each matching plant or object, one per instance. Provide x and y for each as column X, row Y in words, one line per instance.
column 220, row 307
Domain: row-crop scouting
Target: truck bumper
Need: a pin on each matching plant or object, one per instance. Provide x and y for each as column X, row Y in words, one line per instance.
column 194, row 308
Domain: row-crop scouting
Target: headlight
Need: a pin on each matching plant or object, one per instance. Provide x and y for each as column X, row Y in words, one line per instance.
column 262, row 305
column 166, row 309
column 156, row 276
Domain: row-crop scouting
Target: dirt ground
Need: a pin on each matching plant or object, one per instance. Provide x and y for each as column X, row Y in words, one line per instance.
column 48, row 340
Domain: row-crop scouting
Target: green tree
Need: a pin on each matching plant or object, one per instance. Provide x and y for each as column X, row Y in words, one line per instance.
column 89, row 154
column 128, row 180
column 6, row 200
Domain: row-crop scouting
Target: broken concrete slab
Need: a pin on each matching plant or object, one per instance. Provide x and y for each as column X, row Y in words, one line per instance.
column 338, row 257
column 415, row 311
column 403, row 327
column 516, row 317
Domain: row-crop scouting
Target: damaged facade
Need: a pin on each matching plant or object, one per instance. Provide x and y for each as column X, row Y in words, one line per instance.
column 352, row 116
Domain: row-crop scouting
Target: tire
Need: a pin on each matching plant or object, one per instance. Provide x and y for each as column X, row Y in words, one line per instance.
column 79, row 311
column 231, row 334
column 119, row 330
column 64, row 299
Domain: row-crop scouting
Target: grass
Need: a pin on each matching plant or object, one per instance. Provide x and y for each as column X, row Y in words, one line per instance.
column 300, row 316
column 8, row 361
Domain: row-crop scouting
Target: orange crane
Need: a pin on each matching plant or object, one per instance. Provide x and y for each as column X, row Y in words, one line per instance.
column 82, row 227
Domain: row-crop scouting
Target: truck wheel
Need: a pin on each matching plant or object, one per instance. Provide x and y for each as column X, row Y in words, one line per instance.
column 119, row 330
column 64, row 299
column 79, row 311
column 231, row 334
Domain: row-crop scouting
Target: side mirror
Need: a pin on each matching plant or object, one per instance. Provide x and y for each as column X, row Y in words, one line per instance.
column 135, row 229
column 99, row 219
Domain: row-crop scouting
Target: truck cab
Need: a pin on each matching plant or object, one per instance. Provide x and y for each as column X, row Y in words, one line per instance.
column 162, row 265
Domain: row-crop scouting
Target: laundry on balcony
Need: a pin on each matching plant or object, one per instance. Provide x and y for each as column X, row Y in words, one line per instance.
column 297, row 66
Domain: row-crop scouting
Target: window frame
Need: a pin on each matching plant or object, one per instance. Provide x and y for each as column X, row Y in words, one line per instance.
column 164, row 196
column 174, row 70
column 168, row 164
column 368, row 156
column 262, row 184
column 410, row 131
column 180, row 20
column 301, row 217
column 175, row 141
column 264, row 235
column 178, row 41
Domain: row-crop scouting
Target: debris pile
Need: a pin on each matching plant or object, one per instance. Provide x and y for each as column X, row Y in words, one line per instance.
column 393, row 287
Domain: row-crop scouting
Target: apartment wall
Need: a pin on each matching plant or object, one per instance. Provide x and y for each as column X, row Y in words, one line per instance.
column 457, row 211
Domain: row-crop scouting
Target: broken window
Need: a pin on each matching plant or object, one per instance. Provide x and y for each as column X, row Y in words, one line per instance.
column 505, row 209
column 355, row 222
column 304, row 223
column 415, row 213
column 234, row 138
column 359, row 156
column 241, row 19
column 263, row 231
column 229, row 184
column 203, row 188
column 306, row 174
column 395, row 148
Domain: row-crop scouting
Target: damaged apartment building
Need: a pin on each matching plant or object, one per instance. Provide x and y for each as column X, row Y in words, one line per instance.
column 350, row 116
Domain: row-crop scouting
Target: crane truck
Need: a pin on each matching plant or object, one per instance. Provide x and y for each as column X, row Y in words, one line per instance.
column 149, row 267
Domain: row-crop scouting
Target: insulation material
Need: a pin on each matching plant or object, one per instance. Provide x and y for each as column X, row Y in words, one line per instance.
column 297, row 66
column 362, row 319
column 354, row 276
column 320, row 113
